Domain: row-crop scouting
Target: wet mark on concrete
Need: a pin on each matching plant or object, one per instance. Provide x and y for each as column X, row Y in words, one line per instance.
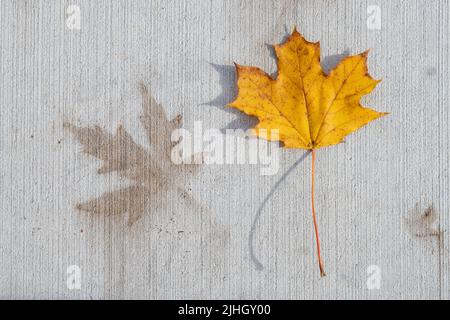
column 152, row 173
column 431, row 71
column 425, row 223
column 155, row 182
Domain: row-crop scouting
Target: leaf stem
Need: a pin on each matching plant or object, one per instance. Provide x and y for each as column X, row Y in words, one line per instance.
column 316, row 229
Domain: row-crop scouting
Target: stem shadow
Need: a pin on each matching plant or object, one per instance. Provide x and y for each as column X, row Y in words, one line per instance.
column 253, row 257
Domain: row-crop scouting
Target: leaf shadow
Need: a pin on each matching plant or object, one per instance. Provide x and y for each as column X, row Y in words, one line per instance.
column 253, row 257
column 328, row 63
column 227, row 81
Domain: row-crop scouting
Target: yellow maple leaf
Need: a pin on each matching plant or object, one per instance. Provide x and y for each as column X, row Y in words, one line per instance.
column 307, row 107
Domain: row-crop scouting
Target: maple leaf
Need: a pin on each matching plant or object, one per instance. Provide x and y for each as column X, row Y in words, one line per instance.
column 307, row 107
column 151, row 173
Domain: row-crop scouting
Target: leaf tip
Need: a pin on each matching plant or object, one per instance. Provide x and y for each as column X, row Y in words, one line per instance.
column 119, row 129
column 238, row 67
column 295, row 34
column 232, row 104
column 143, row 89
column 80, row 207
column 67, row 125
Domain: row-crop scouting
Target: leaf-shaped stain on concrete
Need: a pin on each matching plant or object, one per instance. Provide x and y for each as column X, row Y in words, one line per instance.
column 425, row 223
column 152, row 172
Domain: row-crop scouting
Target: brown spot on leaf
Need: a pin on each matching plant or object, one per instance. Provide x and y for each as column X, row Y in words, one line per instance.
column 152, row 173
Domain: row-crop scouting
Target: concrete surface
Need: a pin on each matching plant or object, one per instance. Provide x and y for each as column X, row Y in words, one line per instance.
column 382, row 197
